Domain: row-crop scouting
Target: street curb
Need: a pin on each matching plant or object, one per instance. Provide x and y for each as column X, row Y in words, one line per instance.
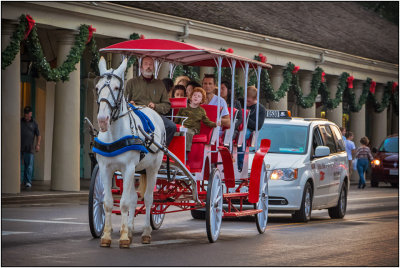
column 27, row 198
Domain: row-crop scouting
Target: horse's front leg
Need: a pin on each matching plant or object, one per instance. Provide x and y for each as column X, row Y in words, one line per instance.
column 151, row 177
column 106, row 176
column 125, row 204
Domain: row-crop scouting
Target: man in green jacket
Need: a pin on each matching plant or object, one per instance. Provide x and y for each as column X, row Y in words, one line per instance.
column 148, row 91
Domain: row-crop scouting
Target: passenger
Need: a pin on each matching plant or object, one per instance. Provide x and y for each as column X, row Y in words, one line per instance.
column 169, row 84
column 212, row 99
column 179, row 91
column 195, row 115
column 363, row 154
column 148, row 91
column 190, row 86
column 226, row 95
column 182, row 80
column 251, row 124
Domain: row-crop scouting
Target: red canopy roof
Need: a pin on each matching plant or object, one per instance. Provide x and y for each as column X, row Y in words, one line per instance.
column 180, row 53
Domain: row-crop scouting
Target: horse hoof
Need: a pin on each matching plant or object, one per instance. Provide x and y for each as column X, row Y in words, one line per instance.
column 146, row 239
column 105, row 243
column 124, row 243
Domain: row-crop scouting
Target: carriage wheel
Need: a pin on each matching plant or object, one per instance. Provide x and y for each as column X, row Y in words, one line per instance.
column 96, row 209
column 157, row 219
column 214, row 206
column 262, row 217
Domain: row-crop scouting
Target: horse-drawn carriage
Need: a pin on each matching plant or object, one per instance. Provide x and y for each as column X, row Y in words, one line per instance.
column 206, row 181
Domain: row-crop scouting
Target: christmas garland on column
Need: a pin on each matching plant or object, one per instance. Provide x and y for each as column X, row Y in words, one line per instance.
column 309, row 100
column 341, row 87
column 8, row 55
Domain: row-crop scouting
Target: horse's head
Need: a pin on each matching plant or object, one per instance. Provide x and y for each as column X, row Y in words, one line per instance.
column 109, row 93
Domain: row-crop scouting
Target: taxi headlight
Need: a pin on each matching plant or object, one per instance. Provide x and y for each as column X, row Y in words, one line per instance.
column 285, row 174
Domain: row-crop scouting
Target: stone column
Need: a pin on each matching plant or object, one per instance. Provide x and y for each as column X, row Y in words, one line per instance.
column 378, row 120
column 66, row 145
column 276, row 75
column 10, row 118
column 205, row 70
column 305, row 84
column 164, row 71
column 334, row 115
column 357, row 119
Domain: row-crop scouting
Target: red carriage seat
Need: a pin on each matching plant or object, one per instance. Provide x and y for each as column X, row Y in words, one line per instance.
column 177, row 103
column 196, row 155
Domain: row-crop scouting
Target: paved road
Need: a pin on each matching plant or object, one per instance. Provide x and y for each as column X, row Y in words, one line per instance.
column 58, row 235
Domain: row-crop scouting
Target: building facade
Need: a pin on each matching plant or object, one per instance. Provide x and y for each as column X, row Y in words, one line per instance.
column 59, row 107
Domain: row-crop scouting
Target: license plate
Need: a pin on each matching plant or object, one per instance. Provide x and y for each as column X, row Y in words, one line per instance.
column 393, row 172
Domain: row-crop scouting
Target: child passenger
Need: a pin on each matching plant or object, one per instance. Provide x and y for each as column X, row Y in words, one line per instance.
column 178, row 91
column 195, row 114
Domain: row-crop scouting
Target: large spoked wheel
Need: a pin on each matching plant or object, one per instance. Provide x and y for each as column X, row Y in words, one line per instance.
column 304, row 214
column 156, row 220
column 96, row 209
column 339, row 210
column 262, row 217
column 214, row 206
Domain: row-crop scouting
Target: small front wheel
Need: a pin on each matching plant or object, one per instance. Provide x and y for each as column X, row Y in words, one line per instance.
column 262, row 217
column 156, row 220
column 96, row 209
column 214, row 206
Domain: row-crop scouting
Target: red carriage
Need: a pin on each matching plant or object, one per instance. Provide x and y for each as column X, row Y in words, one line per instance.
column 207, row 182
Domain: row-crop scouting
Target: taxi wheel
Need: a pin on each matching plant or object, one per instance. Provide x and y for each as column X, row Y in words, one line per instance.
column 304, row 214
column 339, row 211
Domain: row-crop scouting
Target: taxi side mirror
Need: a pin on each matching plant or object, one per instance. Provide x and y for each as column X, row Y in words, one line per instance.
column 322, row 151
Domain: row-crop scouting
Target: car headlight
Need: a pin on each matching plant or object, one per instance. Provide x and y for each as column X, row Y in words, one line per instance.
column 285, row 174
column 376, row 162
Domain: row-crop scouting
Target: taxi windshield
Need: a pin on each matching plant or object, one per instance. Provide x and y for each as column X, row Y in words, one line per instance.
column 285, row 139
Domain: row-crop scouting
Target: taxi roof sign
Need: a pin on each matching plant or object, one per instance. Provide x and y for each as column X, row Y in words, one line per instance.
column 277, row 114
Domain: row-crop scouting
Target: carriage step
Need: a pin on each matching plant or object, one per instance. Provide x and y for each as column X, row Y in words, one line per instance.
column 242, row 213
column 235, row 195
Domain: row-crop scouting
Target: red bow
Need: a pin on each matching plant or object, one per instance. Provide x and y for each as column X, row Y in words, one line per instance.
column 142, row 36
column 372, row 87
column 349, row 81
column 323, row 77
column 262, row 57
column 31, row 23
column 394, row 87
column 91, row 31
column 295, row 69
column 229, row 50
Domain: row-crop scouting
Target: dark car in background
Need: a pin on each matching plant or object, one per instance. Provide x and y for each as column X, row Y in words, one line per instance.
column 385, row 166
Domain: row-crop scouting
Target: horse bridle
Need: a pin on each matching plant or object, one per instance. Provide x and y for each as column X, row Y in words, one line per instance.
column 117, row 101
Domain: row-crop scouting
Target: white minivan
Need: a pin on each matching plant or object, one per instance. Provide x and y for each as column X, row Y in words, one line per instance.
column 307, row 166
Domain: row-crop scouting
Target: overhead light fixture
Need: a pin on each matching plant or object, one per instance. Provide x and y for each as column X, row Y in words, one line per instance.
column 266, row 39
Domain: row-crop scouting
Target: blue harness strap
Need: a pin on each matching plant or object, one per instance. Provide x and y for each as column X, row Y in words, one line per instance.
column 118, row 147
column 146, row 122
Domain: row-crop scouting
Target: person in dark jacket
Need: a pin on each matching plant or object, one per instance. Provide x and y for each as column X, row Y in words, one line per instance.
column 29, row 129
column 251, row 123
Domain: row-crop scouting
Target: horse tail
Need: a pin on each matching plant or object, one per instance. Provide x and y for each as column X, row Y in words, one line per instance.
column 142, row 185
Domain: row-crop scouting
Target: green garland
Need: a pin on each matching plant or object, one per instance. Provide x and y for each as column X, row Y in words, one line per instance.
column 380, row 107
column 8, row 55
column 309, row 100
column 325, row 94
column 62, row 72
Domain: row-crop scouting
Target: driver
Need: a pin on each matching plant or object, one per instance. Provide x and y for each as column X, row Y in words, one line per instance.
column 148, row 91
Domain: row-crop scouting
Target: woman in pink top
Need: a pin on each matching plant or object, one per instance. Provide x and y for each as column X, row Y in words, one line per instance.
column 363, row 154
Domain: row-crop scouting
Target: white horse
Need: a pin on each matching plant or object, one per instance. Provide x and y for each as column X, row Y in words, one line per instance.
column 115, row 122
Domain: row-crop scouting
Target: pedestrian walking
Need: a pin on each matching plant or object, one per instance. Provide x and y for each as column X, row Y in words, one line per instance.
column 350, row 149
column 29, row 130
column 363, row 154
column 343, row 130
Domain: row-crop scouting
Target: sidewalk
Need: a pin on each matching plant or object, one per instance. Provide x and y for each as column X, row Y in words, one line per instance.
column 41, row 191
